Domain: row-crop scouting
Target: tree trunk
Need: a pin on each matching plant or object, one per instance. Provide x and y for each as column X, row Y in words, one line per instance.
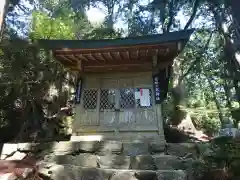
column 235, row 4
column 220, row 113
column 3, row 11
column 232, row 64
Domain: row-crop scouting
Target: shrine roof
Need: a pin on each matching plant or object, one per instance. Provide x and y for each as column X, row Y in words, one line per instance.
column 105, row 43
column 118, row 54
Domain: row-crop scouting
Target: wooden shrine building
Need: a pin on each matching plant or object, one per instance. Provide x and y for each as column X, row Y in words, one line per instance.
column 122, row 82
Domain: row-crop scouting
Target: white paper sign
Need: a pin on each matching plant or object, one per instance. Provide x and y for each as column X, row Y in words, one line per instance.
column 144, row 97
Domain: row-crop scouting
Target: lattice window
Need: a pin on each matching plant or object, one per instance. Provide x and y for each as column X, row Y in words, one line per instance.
column 90, row 98
column 107, row 99
column 127, row 99
column 138, row 102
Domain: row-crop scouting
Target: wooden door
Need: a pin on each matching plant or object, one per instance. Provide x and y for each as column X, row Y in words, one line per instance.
column 108, row 104
column 121, row 110
column 134, row 115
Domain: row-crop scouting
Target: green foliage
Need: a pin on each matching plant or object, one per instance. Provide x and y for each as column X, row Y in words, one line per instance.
column 204, row 117
column 102, row 33
column 45, row 27
column 220, row 159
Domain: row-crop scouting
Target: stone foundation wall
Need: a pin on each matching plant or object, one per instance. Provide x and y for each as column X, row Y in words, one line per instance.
column 111, row 159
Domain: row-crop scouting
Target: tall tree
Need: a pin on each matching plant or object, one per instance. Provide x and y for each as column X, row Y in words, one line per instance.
column 3, row 10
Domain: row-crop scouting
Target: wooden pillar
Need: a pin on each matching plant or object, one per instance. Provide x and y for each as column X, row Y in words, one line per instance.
column 77, row 106
column 158, row 107
column 117, row 113
column 98, row 103
column 159, row 118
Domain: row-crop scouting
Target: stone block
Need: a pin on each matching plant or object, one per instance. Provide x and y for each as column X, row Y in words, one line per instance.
column 17, row 156
column 61, row 159
column 181, row 149
column 123, row 176
column 114, row 161
column 171, row 175
column 114, row 147
column 64, row 148
column 85, row 160
column 55, row 172
column 188, row 163
column 62, row 172
column 35, row 147
column 77, row 138
column 134, row 149
column 142, row 162
column 74, row 172
column 26, row 146
column 146, row 175
column 88, row 146
column 8, row 149
column 157, row 146
column 168, row 162
column 49, row 158
column 91, row 173
column 68, row 147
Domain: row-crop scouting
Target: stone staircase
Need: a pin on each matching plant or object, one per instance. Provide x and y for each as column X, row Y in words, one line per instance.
column 107, row 160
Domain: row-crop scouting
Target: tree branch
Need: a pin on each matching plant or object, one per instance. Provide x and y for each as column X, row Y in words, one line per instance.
column 218, row 105
column 198, row 58
column 162, row 7
column 194, row 12
column 171, row 15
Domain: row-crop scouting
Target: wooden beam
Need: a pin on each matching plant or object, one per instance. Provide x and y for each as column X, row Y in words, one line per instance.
column 127, row 54
column 119, row 48
column 118, row 68
column 101, row 57
column 81, row 57
column 166, row 52
column 91, row 57
column 122, row 62
column 67, row 59
column 107, row 56
column 119, row 55
column 110, row 55
column 106, row 53
column 137, row 54
column 147, row 52
column 95, row 57
column 120, row 65
column 73, row 57
column 80, row 65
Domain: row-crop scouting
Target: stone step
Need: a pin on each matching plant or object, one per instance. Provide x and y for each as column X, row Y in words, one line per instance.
column 102, row 147
column 63, row 172
column 129, row 138
column 68, row 147
column 139, row 162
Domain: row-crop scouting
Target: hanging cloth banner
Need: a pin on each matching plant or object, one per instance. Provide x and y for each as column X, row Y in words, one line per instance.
column 160, row 85
column 78, row 91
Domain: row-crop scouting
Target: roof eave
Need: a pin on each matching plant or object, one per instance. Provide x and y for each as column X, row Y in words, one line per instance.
column 183, row 35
